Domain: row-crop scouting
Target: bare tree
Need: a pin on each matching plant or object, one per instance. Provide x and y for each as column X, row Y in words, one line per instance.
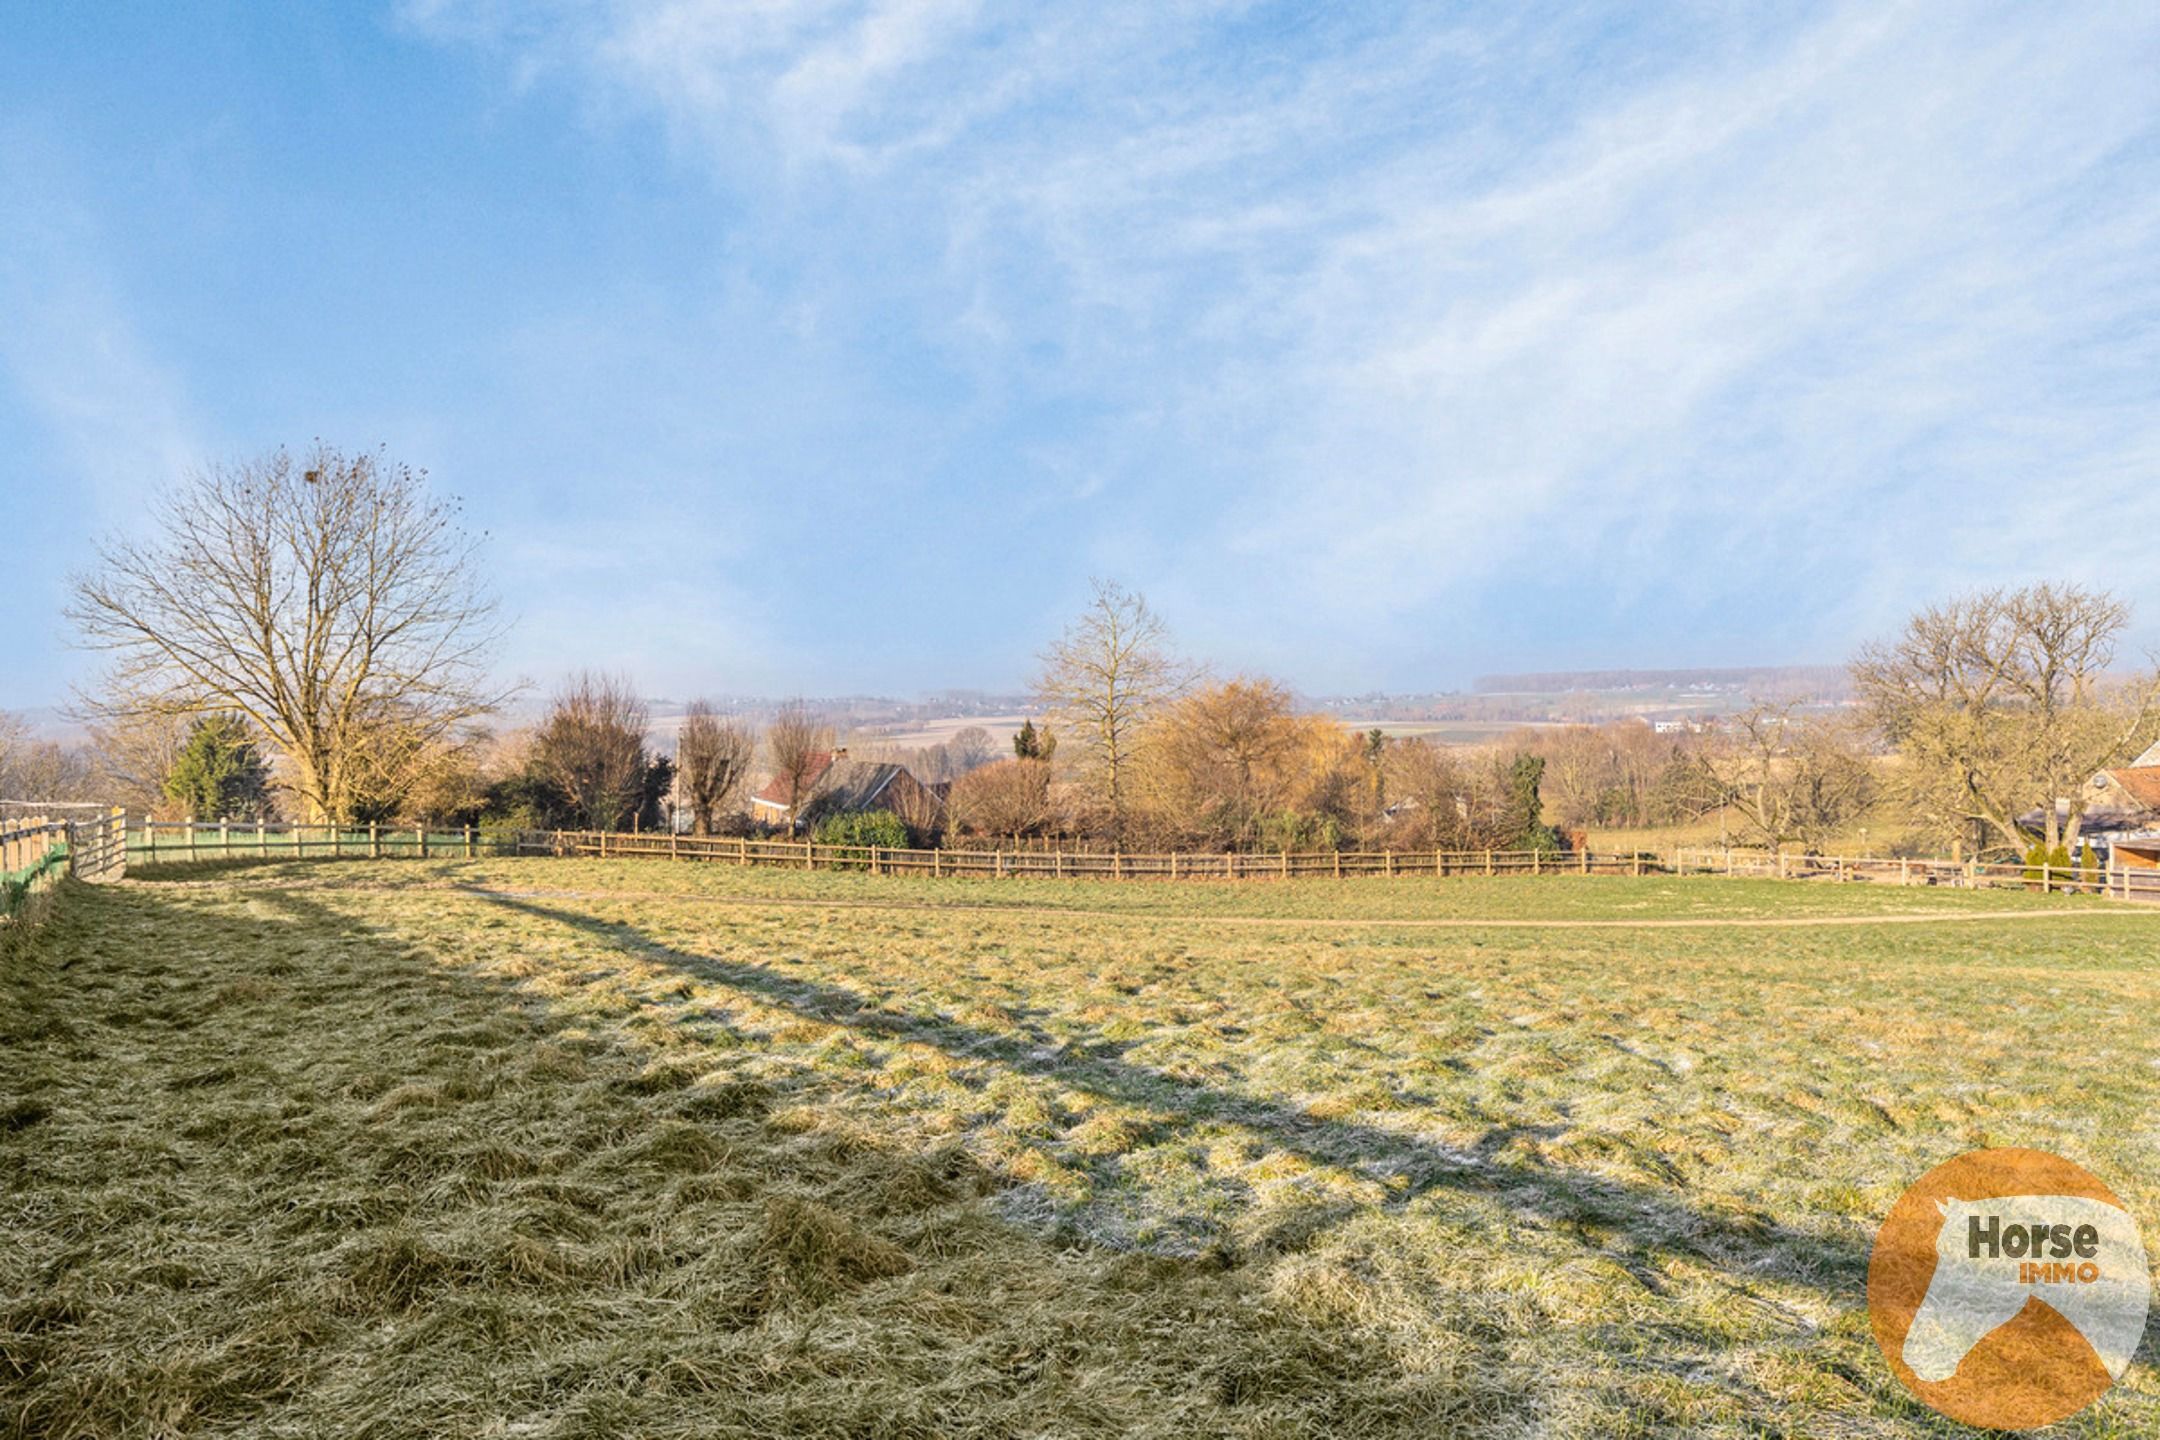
column 14, row 743
column 34, row 769
column 712, row 760
column 1227, row 755
column 969, row 749
column 801, row 744
column 1106, row 676
column 1788, row 779
column 2002, row 702
column 134, row 756
column 1009, row 798
column 330, row 601
column 592, row 746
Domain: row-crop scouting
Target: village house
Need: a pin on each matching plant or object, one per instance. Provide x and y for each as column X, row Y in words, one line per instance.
column 838, row 785
column 2122, row 814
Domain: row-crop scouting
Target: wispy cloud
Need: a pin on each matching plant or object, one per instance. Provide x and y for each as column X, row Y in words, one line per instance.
column 70, row 350
column 1825, row 313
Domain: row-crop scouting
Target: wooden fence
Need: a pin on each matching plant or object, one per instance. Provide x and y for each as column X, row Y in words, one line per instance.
column 1079, row 864
column 37, row 850
column 2119, row 883
column 165, row 842
column 157, row 842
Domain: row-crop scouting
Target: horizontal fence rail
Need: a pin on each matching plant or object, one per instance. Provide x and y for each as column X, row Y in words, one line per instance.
column 156, row 842
column 37, row 850
column 161, row 842
column 1077, row 864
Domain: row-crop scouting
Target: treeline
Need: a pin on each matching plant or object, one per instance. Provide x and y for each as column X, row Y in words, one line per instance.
column 312, row 637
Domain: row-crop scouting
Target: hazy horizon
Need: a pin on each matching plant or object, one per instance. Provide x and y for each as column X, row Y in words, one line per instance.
column 829, row 347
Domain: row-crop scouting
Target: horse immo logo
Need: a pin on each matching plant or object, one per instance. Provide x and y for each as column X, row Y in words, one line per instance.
column 2009, row 1288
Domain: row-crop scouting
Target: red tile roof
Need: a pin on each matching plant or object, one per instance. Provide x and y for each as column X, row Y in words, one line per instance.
column 2141, row 783
column 776, row 789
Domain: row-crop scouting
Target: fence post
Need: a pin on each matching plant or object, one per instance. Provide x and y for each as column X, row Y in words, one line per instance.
column 2047, row 878
column 937, row 862
column 874, row 860
column 470, row 849
column 1173, row 864
column 1387, row 863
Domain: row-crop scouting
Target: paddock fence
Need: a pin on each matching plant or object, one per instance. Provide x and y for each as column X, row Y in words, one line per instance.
column 41, row 843
column 164, row 842
column 160, row 842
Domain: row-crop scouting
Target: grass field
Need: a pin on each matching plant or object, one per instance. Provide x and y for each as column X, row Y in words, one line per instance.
column 554, row 1148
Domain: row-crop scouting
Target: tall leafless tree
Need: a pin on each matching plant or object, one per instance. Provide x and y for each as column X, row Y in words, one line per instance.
column 712, row 760
column 592, row 746
column 1105, row 677
column 801, row 745
column 333, row 600
column 2003, row 702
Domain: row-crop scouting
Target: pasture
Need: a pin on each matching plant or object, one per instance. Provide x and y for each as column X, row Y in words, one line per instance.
column 568, row 1148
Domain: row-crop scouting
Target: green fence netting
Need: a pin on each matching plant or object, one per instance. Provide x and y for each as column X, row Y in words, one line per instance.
column 17, row 886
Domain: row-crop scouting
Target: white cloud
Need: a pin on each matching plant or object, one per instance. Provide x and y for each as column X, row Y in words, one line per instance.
column 1826, row 317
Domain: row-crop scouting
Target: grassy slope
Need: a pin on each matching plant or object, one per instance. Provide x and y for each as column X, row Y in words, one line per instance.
column 325, row 1148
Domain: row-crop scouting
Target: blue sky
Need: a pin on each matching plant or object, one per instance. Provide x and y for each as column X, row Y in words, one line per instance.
column 807, row 346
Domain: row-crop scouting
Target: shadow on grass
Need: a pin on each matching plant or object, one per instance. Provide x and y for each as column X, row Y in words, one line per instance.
column 1634, row 1224
column 554, row 1228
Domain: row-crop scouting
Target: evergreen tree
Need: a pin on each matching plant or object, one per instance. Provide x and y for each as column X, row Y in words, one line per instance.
column 220, row 773
column 1033, row 744
column 1526, row 808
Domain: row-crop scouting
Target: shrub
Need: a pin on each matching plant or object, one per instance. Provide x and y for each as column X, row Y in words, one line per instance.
column 2057, row 863
column 1297, row 830
column 863, row 827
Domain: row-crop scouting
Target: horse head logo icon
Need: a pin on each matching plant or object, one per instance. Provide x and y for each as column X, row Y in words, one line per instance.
column 2009, row 1288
